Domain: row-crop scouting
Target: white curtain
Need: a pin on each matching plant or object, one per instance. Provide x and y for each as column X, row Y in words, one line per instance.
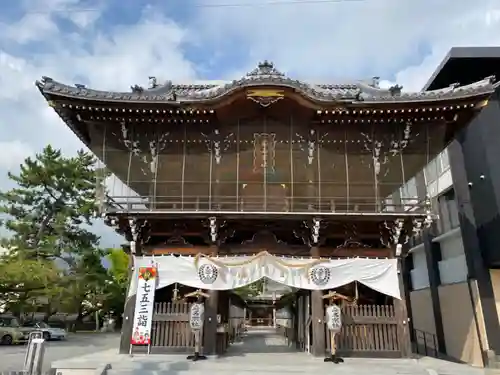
column 225, row 273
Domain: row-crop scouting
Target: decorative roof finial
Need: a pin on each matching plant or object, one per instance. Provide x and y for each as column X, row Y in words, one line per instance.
column 395, row 90
column 265, row 69
column 265, row 65
column 153, row 83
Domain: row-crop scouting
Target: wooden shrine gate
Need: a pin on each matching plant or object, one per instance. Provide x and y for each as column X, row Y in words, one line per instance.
column 170, row 331
column 367, row 331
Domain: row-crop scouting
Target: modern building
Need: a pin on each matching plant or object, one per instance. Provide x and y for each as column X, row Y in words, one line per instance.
column 452, row 271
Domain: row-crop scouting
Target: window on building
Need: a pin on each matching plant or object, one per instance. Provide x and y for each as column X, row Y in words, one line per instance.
column 431, row 172
column 437, row 167
column 445, row 161
column 448, row 211
column 409, row 190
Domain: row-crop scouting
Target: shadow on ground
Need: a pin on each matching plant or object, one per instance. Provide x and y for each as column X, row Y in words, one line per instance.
column 260, row 341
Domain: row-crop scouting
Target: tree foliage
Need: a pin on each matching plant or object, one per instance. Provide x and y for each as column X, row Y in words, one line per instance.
column 54, row 196
column 118, row 281
column 49, row 216
column 251, row 290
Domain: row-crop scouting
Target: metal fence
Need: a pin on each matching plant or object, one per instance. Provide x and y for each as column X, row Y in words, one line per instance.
column 425, row 343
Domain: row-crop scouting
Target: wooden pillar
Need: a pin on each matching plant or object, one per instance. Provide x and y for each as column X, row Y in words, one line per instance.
column 318, row 347
column 210, row 325
column 401, row 313
column 128, row 309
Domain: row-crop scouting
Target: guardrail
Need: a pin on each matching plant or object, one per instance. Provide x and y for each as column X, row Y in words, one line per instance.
column 270, row 203
column 425, row 343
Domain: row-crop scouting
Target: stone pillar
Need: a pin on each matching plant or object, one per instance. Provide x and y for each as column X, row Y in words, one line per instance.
column 318, row 347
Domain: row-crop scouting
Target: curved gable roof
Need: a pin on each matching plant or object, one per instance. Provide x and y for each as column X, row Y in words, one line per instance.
column 265, row 75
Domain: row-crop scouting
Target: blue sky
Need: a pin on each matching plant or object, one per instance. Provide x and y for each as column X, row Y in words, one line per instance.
column 111, row 44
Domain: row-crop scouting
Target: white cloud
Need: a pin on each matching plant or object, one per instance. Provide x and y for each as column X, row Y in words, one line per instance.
column 399, row 40
column 351, row 39
column 12, row 154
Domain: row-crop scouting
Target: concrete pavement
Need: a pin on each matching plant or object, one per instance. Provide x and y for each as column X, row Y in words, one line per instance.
column 12, row 357
column 262, row 351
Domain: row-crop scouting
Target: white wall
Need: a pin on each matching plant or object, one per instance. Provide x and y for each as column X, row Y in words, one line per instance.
column 419, row 275
column 453, row 266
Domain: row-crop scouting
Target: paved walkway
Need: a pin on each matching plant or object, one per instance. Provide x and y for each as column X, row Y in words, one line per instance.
column 261, row 340
column 261, row 351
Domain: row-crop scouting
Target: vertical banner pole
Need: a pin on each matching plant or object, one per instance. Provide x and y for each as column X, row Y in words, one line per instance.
column 144, row 304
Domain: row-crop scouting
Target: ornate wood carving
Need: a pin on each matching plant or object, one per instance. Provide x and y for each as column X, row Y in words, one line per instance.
column 265, row 97
column 264, row 152
column 300, row 251
column 178, row 241
column 217, row 143
column 264, row 238
column 218, row 231
column 352, row 239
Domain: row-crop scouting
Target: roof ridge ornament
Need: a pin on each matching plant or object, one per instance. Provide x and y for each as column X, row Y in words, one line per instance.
column 153, row 82
column 395, row 90
column 265, row 69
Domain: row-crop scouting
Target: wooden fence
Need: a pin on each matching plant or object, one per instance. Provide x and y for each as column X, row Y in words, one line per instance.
column 368, row 330
column 170, row 331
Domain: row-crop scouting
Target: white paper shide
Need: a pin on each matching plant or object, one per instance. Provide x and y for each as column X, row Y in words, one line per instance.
column 143, row 316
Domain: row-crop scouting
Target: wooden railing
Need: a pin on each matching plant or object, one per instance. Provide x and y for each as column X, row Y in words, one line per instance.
column 313, row 204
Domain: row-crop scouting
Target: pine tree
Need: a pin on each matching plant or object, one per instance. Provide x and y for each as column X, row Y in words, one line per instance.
column 51, row 206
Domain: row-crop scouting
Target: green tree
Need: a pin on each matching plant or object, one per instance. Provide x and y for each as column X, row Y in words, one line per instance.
column 251, row 290
column 118, row 281
column 86, row 292
column 54, row 196
column 24, row 282
column 49, row 214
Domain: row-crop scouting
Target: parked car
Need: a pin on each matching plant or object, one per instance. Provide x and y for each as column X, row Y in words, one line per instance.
column 49, row 332
column 11, row 332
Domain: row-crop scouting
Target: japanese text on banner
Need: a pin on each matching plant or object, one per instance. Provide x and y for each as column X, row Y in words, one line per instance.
column 146, row 286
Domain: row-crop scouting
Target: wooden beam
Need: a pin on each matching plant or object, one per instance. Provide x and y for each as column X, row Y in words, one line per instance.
column 245, row 250
column 182, row 251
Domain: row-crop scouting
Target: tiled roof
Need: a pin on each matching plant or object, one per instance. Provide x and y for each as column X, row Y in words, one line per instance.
column 265, row 74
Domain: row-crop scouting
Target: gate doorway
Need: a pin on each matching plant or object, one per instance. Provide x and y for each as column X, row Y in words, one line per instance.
column 369, row 329
column 170, row 331
column 279, row 324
